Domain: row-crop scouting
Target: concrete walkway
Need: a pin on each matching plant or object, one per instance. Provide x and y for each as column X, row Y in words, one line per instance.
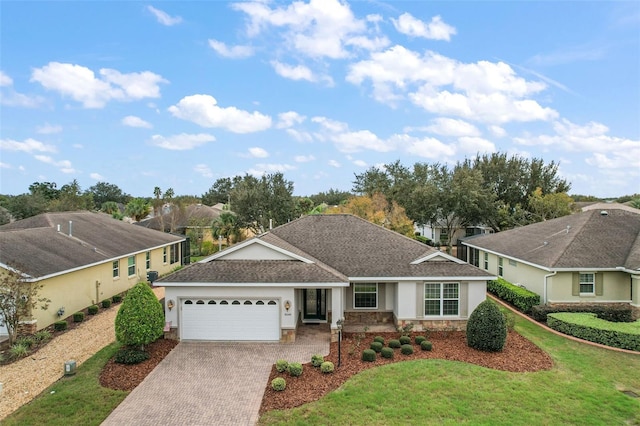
column 206, row 383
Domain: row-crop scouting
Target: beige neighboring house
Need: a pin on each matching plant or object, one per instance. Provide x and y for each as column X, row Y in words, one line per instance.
column 82, row 258
column 320, row 269
column 587, row 257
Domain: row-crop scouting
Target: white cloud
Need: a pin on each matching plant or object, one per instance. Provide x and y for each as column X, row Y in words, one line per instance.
column 497, row 131
column 264, row 168
column 304, row 158
column 163, row 17
column 300, row 136
column 81, row 84
column 181, row 142
column 203, row 170
column 475, row 145
column 203, row 110
column 357, row 141
column 334, row 163
column 330, row 125
column 360, row 163
column 257, row 152
column 234, row 52
column 133, row 121
column 5, row 165
column 48, row 129
column 28, row 145
column 434, row 30
column 63, row 165
column 299, row 72
column 289, row 119
column 12, row 98
column 452, row 127
column 423, row 147
column 5, row 80
column 96, row 176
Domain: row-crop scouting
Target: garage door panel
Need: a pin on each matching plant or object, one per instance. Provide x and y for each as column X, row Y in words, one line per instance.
column 235, row 322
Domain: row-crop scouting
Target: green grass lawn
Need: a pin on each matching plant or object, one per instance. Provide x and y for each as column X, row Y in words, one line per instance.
column 582, row 388
column 73, row 400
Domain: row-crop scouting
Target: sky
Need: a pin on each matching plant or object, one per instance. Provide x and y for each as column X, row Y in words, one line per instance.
column 180, row 94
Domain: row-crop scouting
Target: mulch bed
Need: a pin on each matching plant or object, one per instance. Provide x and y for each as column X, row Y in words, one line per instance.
column 519, row 355
column 127, row 377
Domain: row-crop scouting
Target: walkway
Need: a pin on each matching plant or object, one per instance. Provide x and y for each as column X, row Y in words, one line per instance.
column 203, row 383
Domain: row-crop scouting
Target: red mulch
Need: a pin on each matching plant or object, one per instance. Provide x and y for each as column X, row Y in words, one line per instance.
column 519, row 355
column 127, row 377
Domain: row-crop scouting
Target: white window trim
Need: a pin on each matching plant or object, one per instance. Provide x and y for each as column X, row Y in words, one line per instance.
column 354, row 296
column 593, row 284
column 500, row 266
column 164, row 255
column 486, row 261
column 130, row 266
column 147, row 260
column 424, row 299
column 115, row 277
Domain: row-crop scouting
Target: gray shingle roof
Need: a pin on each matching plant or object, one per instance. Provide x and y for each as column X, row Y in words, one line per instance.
column 582, row 240
column 35, row 247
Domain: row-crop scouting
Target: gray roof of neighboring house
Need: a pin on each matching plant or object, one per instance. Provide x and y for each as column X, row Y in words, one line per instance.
column 194, row 214
column 341, row 247
column 590, row 239
column 34, row 245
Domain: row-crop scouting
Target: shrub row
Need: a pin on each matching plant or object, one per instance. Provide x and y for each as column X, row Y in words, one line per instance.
column 369, row 355
column 613, row 313
column 519, row 297
column 589, row 327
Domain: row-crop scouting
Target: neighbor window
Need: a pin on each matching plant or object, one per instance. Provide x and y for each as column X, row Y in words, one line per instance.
column 486, row 260
column 500, row 270
column 164, row 255
column 148, row 260
column 116, row 268
column 175, row 253
column 441, row 299
column 587, row 283
column 131, row 262
column 365, row 295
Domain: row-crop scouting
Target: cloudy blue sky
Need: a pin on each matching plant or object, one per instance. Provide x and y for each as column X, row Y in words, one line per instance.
column 179, row 94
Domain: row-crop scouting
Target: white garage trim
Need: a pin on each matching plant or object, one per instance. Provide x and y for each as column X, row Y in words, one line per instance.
column 230, row 319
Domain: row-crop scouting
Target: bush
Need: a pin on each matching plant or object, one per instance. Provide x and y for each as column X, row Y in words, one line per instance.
column 369, row 355
column 420, row 339
column 106, row 303
column 140, row 319
column 116, row 298
column 60, row 325
column 42, row 336
column 376, row 346
column 207, row 248
column 19, row 350
column 612, row 313
column 295, row 369
column 395, row 344
column 379, row 339
column 130, row 356
column 282, row 365
column 509, row 320
column 27, row 341
column 519, row 297
column 405, row 340
column 327, row 367
column 486, row 328
column 317, row 360
column 589, row 327
column 406, row 349
column 386, row 353
column 426, row 345
column 78, row 317
column 93, row 309
column 278, row 384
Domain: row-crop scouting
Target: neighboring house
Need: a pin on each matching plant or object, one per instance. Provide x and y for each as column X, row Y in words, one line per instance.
column 592, row 256
column 82, row 258
column 320, row 268
column 179, row 219
column 438, row 232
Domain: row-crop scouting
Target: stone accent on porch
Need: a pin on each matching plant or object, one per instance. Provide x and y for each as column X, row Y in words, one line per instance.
column 368, row 318
column 287, row 336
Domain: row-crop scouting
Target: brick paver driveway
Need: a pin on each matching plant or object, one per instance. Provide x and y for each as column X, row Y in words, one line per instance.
column 205, row 383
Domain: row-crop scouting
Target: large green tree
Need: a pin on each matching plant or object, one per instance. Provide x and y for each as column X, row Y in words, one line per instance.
column 71, row 198
column 219, row 192
column 104, row 191
column 140, row 319
column 137, row 209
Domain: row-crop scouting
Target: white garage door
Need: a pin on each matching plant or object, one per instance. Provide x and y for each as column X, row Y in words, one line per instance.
column 230, row 319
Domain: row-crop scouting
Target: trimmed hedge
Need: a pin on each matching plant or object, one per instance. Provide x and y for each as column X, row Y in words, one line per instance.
column 589, row 327
column 426, row 345
column 60, row 325
column 519, row 297
column 106, row 303
column 376, row 346
column 278, row 384
column 317, row 360
column 282, row 365
column 295, row 369
column 379, row 339
column 420, row 339
column 405, row 340
column 78, row 317
column 487, row 328
column 395, row 344
column 327, row 367
column 130, row 356
column 116, row 298
column 93, row 309
column 386, row 353
column 406, row 349
column 369, row 355
column 612, row 313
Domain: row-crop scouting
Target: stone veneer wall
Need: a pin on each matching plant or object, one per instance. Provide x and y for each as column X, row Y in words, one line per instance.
column 363, row 317
column 434, row 325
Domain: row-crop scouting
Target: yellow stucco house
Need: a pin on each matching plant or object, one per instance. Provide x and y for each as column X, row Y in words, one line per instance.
column 82, row 258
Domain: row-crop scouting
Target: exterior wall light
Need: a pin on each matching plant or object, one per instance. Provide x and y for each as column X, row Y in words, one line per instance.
column 287, row 305
column 170, row 304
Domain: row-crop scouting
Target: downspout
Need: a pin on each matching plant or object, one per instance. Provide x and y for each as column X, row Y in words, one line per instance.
column 545, row 285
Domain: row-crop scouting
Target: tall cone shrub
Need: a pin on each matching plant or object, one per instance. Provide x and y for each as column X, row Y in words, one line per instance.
column 140, row 319
column 487, row 328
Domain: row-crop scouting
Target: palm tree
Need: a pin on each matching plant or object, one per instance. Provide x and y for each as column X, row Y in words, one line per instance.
column 226, row 226
column 137, row 209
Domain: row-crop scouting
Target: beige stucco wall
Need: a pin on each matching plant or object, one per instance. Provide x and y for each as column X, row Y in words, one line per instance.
column 382, row 299
column 616, row 288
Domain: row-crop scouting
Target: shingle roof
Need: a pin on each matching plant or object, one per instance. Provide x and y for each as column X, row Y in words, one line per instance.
column 590, row 239
column 199, row 214
column 34, row 245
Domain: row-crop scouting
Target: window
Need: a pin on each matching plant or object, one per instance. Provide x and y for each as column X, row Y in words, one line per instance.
column 587, row 283
column 441, row 299
column 474, row 254
column 148, row 260
column 365, row 295
column 164, row 255
column 500, row 270
column 131, row 262
column 175, row 253
column 444, row 236
column 116, row 268
column 486, row 261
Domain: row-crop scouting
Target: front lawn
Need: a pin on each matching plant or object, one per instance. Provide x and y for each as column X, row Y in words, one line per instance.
column 584, row 387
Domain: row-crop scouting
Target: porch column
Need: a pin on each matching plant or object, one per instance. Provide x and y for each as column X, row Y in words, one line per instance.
column 635, row 295
column 337, row 308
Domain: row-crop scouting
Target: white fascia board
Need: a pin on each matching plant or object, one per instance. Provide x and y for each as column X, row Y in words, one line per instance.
column 263, row 285
column 250, row 242
column 535, row 265
column 437, row 254
column 427, row 278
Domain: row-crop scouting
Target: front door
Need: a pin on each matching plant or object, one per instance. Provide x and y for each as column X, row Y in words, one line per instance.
column 315, row 304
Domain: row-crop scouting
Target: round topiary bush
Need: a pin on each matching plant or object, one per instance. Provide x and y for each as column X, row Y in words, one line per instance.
column 116, row 298
column 405, row 340
column 395, row 344
column 130, row 356
column 386, row 353
column 379, row 339
column 295, row 369
column 486, row 328
column 406, row 349
column 282, row 365
column 60, row 325
column 140, row 319
column 317, row 360
column 376, row 346
column 278, row 384
column 369, row 355
column 420, row 339
column 327, row 367
column 106, row 303
column 78, row 317
column 426, row 345
column 93, row 309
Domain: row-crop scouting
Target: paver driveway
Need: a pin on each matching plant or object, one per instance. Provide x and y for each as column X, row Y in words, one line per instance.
column 206, row 383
